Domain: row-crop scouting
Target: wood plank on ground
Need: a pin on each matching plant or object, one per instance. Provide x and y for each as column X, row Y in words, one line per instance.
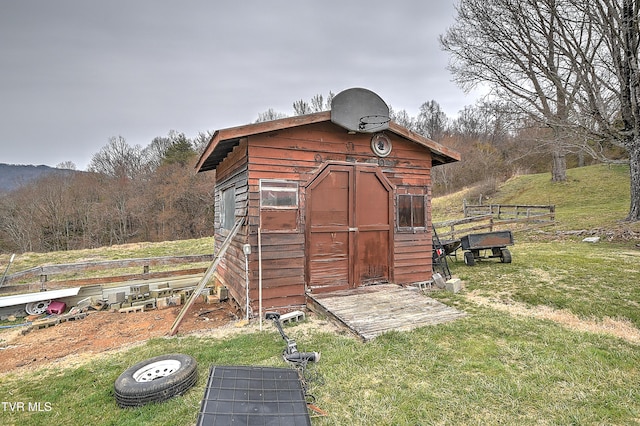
column 374, row 310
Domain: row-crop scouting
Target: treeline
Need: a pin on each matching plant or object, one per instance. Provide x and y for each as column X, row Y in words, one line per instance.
column 496, row 143
column 133, row 193
column 129, row 194
column 495, row 139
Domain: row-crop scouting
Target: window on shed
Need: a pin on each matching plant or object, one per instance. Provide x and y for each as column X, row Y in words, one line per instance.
column 278, row 194
column 278, row 205
column 411, row 211
column 228, row 208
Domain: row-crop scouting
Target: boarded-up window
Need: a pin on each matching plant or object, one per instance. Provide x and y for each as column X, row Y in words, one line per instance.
column 228, row 208
column 411, row 211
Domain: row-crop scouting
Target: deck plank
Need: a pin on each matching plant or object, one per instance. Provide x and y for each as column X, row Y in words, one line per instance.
column 373, row 310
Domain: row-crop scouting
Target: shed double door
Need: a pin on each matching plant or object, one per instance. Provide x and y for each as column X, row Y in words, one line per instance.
column 349, row 228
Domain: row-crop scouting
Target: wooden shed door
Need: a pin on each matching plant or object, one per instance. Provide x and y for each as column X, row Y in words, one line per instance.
column 349, row 228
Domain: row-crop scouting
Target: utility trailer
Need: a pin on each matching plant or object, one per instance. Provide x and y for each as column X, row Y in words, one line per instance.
column 487, row 245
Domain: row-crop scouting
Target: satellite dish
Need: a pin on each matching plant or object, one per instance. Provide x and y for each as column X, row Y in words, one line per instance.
column 360, row 110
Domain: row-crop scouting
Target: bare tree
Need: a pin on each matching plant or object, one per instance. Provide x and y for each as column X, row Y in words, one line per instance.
column 154, row 153
column 66, row 165
column 301, row 107
column 17, row 225
column 515, row 47
column 317, row 104
column 432, row 121
column 269, row 115
column 201, row 141
column 118, row 159
column 403, row 118
column 572, row 65
column 604, row 47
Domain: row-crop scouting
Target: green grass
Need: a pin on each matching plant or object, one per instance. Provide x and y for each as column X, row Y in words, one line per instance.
column 494, row 366
column 488, row 368
column 590, row 280
column 84, row 394
column 25, row 261
column 592, row 197
column 29, row 260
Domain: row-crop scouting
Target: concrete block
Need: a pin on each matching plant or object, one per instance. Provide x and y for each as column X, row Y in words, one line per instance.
column 140, row 288
column 185, row 295
column 131, row 309
column 223, row 293
column 167, row 302
column 162, row 302
column 213, row 299
column 454, row 285
column 117, row 297
column 438, row 280
column 292, row 316
column 148, row 304
column 160, row 292
column 424, row 286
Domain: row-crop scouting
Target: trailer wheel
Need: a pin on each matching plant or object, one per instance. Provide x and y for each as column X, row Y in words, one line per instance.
column 37, row 308
column 155, row 380
column 505, row 256
column 469, row 260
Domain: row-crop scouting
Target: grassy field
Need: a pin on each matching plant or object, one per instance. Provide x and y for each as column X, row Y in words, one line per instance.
column 552, row 338
column 592, row 197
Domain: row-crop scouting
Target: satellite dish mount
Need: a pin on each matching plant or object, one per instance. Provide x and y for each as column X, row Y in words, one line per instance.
column 360, row 111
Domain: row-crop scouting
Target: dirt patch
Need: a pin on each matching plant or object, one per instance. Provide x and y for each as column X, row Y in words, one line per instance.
column 623, row 329
column 103, row 331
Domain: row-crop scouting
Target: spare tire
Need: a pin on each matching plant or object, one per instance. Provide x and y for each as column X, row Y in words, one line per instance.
column 155, row 380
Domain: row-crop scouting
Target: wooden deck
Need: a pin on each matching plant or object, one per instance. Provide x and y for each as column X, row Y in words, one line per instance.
column 373, row 310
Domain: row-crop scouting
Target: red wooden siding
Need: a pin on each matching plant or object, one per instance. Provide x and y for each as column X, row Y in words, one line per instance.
column 299, row 154
column 232, row 173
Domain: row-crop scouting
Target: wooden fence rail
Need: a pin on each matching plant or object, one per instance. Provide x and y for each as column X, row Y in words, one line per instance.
column 507, row 211
column 496, row 217
column 43, row 272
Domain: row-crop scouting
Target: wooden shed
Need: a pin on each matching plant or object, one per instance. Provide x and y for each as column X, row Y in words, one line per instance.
column 324, row 205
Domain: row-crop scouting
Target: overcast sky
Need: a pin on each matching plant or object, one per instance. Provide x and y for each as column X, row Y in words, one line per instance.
column 75, row 73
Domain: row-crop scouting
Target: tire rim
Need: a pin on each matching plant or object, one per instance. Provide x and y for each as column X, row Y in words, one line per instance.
column 37, row 308
column 157, row 370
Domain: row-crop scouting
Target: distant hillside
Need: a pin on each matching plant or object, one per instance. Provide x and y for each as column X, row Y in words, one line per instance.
column 592, row 197
column 13, row 176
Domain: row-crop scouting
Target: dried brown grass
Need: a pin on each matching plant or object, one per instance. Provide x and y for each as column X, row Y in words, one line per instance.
column 618, row 327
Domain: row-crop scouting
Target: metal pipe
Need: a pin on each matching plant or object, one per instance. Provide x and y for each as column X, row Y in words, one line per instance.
column 247, row 251
column 260, row 275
